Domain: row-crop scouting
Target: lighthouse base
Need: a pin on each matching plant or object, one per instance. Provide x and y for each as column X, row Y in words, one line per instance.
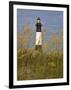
column 38, row 47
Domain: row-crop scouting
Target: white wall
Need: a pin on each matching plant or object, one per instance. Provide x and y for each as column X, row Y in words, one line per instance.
column 4, row 47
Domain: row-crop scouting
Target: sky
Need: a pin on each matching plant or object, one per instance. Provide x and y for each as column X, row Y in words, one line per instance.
column 51, row 20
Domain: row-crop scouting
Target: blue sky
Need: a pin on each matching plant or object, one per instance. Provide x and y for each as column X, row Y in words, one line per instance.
column 51, row 20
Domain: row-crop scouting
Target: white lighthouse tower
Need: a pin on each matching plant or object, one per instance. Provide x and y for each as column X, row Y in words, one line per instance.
column 38, row 43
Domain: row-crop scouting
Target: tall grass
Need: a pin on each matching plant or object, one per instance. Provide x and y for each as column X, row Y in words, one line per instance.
column 35, row 64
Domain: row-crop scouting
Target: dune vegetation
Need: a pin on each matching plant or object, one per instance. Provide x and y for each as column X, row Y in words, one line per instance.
column 34, row 64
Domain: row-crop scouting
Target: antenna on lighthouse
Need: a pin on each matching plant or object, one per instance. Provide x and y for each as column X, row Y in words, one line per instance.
column 38, row 42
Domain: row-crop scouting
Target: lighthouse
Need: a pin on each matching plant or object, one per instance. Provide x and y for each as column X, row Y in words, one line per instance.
column 38, row 42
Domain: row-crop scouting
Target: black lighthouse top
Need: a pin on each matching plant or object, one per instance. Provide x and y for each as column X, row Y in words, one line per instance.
column 38, row 25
